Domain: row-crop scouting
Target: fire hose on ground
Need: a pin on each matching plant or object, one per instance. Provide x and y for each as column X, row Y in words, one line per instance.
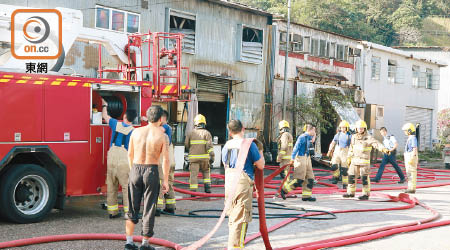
column 425, row 175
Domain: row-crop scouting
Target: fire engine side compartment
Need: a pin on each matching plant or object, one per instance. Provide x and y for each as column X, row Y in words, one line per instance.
column 21, row 111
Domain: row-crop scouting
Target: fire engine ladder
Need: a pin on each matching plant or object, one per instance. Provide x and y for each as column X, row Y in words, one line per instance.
column 167, row 70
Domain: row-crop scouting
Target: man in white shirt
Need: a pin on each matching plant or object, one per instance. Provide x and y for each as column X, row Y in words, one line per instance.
column 391, row 144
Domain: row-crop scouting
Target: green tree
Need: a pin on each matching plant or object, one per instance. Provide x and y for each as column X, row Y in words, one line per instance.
column 387, row 22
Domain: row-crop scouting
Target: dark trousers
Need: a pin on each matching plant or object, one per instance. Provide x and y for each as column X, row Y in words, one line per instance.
column 143, row 181
column 389, row 159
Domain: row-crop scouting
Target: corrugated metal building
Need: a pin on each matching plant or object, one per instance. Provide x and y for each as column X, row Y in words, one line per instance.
column 317, row 60
column 225, row 48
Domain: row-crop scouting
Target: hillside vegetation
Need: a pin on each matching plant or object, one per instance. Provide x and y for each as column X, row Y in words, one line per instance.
column 388, row 22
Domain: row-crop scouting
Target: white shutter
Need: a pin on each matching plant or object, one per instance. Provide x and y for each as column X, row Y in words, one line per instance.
column 424, row 117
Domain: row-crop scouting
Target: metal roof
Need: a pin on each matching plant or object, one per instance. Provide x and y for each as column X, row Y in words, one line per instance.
column 241, row 6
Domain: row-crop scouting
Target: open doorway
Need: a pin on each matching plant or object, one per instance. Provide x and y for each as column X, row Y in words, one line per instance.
column 328, row 128
column 212, row 103
column 216, row 118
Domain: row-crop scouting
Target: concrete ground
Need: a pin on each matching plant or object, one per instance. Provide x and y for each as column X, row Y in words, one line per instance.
column 85, row 215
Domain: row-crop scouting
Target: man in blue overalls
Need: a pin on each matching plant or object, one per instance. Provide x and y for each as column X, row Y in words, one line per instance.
column 303, row 174
column 117, row 160
column 240, row 212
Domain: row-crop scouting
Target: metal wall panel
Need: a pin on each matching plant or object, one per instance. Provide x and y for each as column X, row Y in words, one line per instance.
column 424, row 117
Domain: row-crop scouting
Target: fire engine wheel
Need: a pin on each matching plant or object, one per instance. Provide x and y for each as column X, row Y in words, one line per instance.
column 27, row 193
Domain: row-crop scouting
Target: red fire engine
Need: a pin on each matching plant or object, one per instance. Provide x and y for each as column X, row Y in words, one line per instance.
column 53, row 142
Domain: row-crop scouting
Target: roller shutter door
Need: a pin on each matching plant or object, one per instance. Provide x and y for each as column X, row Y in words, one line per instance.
column 211, row 89
column 425, row 118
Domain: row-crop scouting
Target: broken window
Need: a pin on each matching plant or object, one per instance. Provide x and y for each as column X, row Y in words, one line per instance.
column 182, row 22
column 395, row 73
column 345, row 53
column 351, row 55
column 375, row 66
column 250, row 44
column 283, row 41
column 116, row 20
column 323, row 48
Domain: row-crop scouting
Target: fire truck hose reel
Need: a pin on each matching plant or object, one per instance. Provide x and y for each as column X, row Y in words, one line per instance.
column 115, row 106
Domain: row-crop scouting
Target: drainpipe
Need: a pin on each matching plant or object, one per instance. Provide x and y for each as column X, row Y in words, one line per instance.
column 286, row 58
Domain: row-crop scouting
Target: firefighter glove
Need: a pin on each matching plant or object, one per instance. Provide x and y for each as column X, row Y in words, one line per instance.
column 386, row 151
column 349, row 161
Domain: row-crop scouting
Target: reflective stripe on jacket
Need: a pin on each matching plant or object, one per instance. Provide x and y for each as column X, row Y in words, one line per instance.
column 199, row 144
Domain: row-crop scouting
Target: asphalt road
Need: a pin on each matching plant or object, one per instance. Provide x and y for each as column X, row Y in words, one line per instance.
column 85, row 215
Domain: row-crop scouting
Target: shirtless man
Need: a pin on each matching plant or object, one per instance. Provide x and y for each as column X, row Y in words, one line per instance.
column 147, row 144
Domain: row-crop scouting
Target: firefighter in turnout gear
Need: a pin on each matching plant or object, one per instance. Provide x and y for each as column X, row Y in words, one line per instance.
column 117, row 159
column 303, row 174
column 411, row 156
column 359, row 160
column 201, row 153
column 338, row 151
column 285, row 145
column 240, row 211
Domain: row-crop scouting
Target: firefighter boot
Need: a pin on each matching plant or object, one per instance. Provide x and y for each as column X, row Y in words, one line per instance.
column 335, row 169
column 169, row 210
column 363, row 197
column 351, row 189
column 207, row 188
column 334, row 180
column 307, row 191
column 344, row 173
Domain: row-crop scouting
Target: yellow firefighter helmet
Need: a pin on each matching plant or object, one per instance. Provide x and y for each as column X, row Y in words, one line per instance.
column 361, row 124
column 199, row 119
column 283, row 124
column 344, row 124
column 409, row 128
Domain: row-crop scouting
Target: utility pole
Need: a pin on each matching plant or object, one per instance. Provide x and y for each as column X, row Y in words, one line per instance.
column 286, row 59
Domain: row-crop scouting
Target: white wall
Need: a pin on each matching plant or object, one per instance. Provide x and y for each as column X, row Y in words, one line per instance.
column 443, row 56
column 395, row 97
